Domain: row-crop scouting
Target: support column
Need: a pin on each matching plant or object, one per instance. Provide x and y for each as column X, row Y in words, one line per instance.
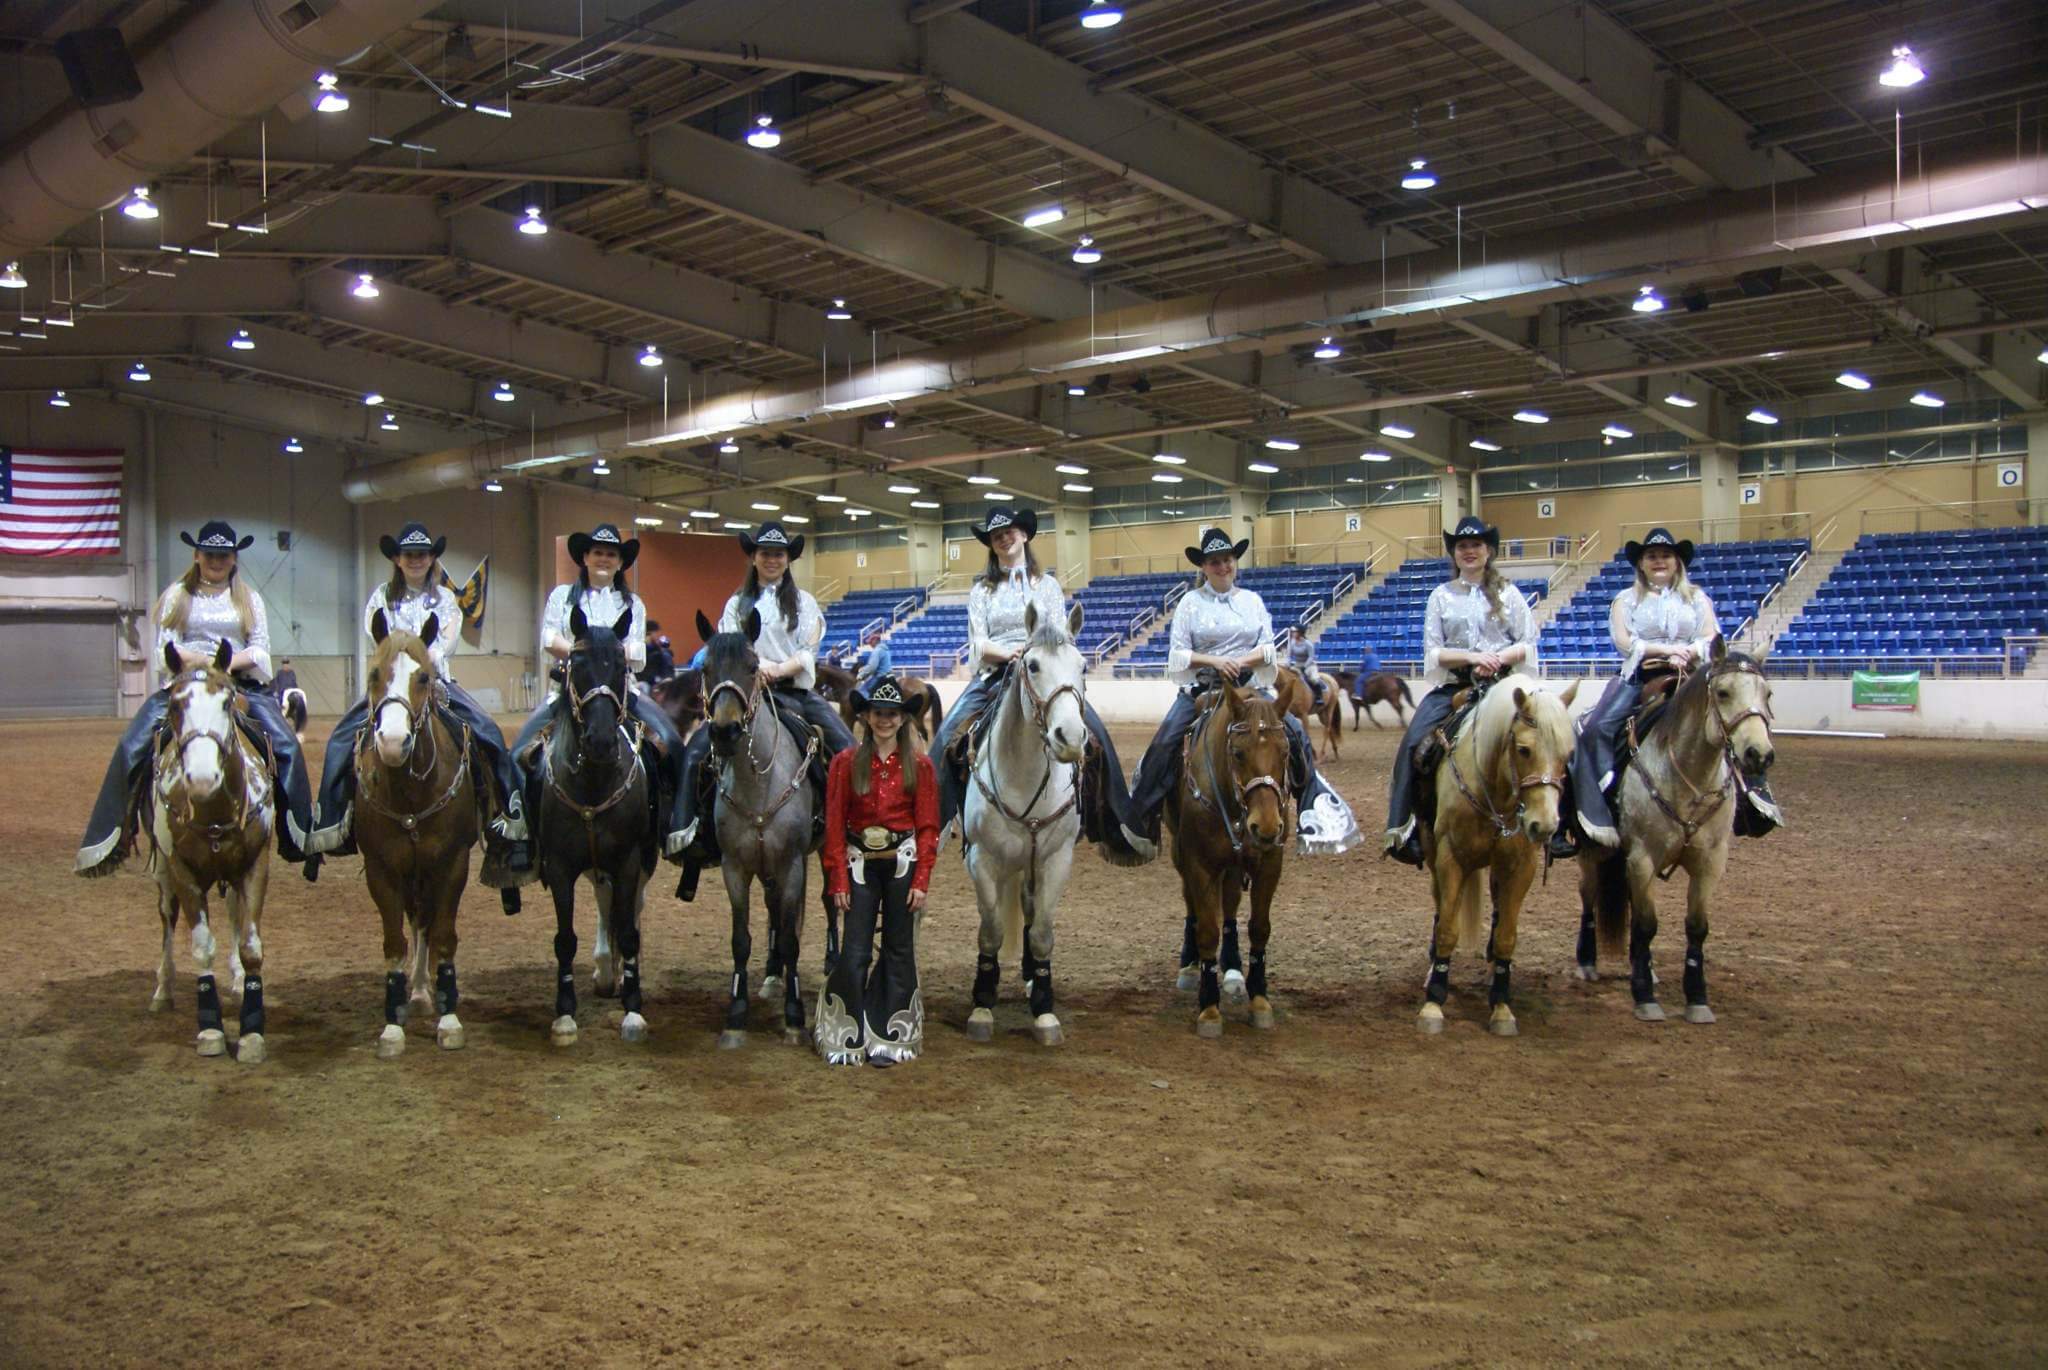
column 1472, row 485
column 1452, row 493
column 1720, row 494
column 2037, row 470
column 927, row 551
column 1074, row 545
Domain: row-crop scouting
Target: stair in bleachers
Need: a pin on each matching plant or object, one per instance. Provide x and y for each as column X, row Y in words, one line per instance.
column 928, row 643
column 1736, row 574
column 846, row 616
column 1112, row 603
column 1926, row 597
column 1288, row 591
column 1390, row 617
column 1800, row 588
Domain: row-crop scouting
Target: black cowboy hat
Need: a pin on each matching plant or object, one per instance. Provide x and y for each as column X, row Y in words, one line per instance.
column 216, row 535
column 1003, row 516
column 773, row 536
column 414, row 537
column 1659, row 537
column 1472, row 526
column 1214, row 541
column 887, row 693
column 604, row 535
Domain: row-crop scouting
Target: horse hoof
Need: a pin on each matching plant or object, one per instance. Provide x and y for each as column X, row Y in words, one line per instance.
column 1233, row 987
column 213, row 1042
column 1503, row 1024
column 1262, row 1012
column 795, row 1036
column 448, row 1033
column 633, row 1028
column 1586, row 972
column 771, row 987
column 1649, row 1013
column 391, row 1042
column 562, row 1032
column 1190, row 978
column 1047, row 1030
column 1209, row 1023
column 159, row 1003
column 250, row 1051
column 981, row 1026
column 732, row 1039
column 1431, row 1019
column 1698, row 1013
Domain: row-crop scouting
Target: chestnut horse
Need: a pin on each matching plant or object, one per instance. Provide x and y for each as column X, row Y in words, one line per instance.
column 1230, row 817
column 1381, row 687
column 1296, row 696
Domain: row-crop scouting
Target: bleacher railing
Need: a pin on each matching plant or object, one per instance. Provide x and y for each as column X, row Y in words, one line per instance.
column 2020, row 650
column 1975, row 666
column 1735, row 528
column 1959, row 516
column 1275, row 554
column 826, row 591
column 1585, row 550
column 903, row 608
column 1548, row 547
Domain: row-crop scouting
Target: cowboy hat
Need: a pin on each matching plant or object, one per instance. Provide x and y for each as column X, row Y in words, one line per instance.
column 887, row 693
column 1214, row 542
column 773, row 537
column 1659, row 537
column 604, row 535
column 412, row 538
column 217, row 535
column 1003, row 516
column 1471, row 526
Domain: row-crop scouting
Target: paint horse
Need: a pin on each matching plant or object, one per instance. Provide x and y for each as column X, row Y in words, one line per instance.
column 210, row 828
column 417, row 816
column 594, row 806
column 1229, row 817
column 1498, row 793
column 1676, row 808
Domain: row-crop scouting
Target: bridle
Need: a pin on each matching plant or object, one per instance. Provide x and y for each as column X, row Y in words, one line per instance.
column 629, row 735
column 217, row 833
column 420, row 721
column 750, row 706
column 1702, row 804
column 1504, row 825
column 1234, row 826
column 1041, row 709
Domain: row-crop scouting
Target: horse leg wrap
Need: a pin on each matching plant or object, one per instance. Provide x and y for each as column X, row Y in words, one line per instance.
column 445, row 997
column 736, row 1007
column 394, row 995
column 1439, row 987
column 1255, row 976
column 986, row 975
column 1211, row 992
column 252, row 1006
column 1695, row 975
column 629, row 985
column 1187, row 942
column 1498, row 994
column 1041, row 988
column 1642, row 983
column 1232, row 959
column 1589, row 939
column 209, row 1004
column 1027, row 969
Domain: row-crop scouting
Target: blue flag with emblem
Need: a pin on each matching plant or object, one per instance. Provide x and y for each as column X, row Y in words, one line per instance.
column 472, row 597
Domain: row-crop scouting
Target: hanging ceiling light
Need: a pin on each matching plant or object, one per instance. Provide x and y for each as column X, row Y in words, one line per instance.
column 1166, row 478
column 2043, row 358
column 1327, row 350
column 1679, row 400
column 12, row 279
column 1262, row 468
column 1283, row 445
column 493, row 486
column 1101, row 14
column 1647, row 301
column 1039, row 218
column 139, row 372
column 1069, row 469
column 139, row 206
column 1169, row 459
column 1399, row 431
column 533, row 225
column 1531, row 416
column 1086, row 252
column 646, row 521
column 905, row 490
column 1854, row 380
column 1615, row 430
column 1418, row 176
column 1483, row 445
column 242, row 342
column 1375, row 456
column 736, row 523
column 1076, row 390
column 650, row 355
column 1761, row 415
column 796, row 518
column 839, row 311
column 766, row 506
column 503, row 394
column 374, row 398
column 926, row 504
column 601, row 467
column 1903, row 72
column 983, row 480
column 730, row 446
column 57, row 401
column 294, row 446
column 889, row 419
column 390, row 424
column 764, row 134
column 1927, row 399
column 328, row 96
column 822, row 499
column 365, row 287
column 1078, row 488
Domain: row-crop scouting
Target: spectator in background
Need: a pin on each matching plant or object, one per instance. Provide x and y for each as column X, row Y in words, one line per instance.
column 285, row 679
column 880, row 661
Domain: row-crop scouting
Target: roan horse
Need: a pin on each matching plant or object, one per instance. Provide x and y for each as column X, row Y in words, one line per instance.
column 1676, row 809
column 1022, row 817
column 596, row 819
column 1229, row 817
column 1498, row 789
column 1296, row 696
column 764, row 818
column 210, row 828
column 416, row 819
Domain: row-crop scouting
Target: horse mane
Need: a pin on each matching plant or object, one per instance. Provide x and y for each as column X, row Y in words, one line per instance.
column 1695, row 686
column 1490, row 722
column 725, row 656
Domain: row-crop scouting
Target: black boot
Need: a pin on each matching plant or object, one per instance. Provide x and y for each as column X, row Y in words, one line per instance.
column 1409, row 850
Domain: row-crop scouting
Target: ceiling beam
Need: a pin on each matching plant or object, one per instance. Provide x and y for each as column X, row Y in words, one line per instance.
column 1562, row 350
column 1915, row 299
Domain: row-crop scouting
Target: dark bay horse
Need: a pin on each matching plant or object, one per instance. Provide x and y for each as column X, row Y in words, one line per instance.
column 1381, row 687
column 417, row 818
column 681, row 697
column 595, row 817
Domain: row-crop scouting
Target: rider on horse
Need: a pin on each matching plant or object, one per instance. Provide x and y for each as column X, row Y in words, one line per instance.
column 1368, row 667
column 207, row 606
column 1222, row 631
column 1301, row 655
column 1661, row 623
column 601, row 591
column 1011, row 582
column 880, row 661
column 1476, row 626
column 414, row 594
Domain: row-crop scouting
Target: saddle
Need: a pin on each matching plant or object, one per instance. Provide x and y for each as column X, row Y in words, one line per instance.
column 1659, row 684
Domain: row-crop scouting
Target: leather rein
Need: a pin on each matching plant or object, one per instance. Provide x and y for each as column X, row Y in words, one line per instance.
column 1504, row 825
column 630, row 735
column 750, row 704
column 1041, row 709
column 421, row 721
column 1241, row 790
column 1702, row 804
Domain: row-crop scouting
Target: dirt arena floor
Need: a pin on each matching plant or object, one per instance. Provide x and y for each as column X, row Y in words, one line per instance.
column 1848, row 1168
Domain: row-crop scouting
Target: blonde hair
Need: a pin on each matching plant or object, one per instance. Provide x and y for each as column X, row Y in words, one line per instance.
column 907, row 752
column 1680, row 581
column 1492, row 582
column 176, row 610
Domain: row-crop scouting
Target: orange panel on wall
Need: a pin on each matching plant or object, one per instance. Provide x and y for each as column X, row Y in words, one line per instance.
column 677, row 574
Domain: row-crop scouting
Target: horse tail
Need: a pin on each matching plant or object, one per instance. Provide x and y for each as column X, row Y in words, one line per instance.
column 1013, row 928
column 1471, row 923
column 1402, row 681
column 1613, row 909
column 934, row 709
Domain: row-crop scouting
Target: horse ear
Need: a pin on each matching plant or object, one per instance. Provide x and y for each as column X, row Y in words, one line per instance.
column 704, row 629
column 222, row 655
column 1074, row 617
column 1719, row 651
column 624, row 624
column 579, row 626
column 430, row 631
column 172, row 660
column 380, row 627
column 1521, row 701
column 1031, row 619
column 753, row 625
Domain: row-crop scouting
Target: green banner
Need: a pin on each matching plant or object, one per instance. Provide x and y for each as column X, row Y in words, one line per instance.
column 1897, row 690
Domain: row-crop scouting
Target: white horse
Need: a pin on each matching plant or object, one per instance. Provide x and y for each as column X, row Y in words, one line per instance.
column 1022, row 817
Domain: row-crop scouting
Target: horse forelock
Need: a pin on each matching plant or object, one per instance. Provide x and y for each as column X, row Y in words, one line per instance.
column 728, row 656
column 1051, row 632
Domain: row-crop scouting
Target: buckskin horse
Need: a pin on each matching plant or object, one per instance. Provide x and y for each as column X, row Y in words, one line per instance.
column 209, row 828
column 1498, row 791
column 596, row 817
column 1229, row 817
column 417, row 816
column 1677, row 801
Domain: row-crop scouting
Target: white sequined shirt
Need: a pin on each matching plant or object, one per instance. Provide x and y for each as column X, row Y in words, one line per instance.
column 211, row 620
column 601, row 604
column 1232, row 624
column 995, row 614
column 411, row 613
column 1640, row 621
column 779, row 642
column 1460, row 619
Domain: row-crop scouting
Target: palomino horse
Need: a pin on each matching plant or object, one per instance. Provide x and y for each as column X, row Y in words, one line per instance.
column 210, row 828
column 416, row 819
column 1381, row 687
column 1022, row 817
column 1229, row 817
column 764, row 818
column 1296, row 696
column 596, row 819
column 1497, row 800
column 1676, row 808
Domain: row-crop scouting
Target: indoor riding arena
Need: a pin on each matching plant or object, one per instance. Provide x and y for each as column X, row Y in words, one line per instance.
column 481, row 359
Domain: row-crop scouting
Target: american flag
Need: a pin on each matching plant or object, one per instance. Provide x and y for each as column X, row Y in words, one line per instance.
column 57, row 502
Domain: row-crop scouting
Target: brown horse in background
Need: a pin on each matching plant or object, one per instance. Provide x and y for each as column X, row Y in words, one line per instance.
column 1381, row 687
column 681, row 697
column 1296, row 696
column 837, row 686
column 1230, row 818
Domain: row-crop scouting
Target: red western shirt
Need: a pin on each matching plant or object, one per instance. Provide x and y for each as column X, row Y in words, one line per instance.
column 885, row 805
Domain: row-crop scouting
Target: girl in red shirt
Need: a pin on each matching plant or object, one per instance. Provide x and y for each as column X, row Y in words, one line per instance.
column 881, row 841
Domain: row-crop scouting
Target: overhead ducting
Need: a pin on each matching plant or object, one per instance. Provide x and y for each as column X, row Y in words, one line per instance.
column 229, row 63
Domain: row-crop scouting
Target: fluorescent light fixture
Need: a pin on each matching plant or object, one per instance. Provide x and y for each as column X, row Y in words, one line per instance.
column 1101, row 14
column 1078, row 488
column 1169, row 459
column 1678, row 400
column 1761, row 415
column 57, row 401
column 1615, row 430
column 503, row 394
column 650, row 355
column 646, row 522
column 328, row 96
column 1855, row 380
column 533, row 225
column 12, row 279
column 139, row 371
column 823, row 499
column 1069, row 469
column 1531, row 416
column 839, row 311
column 1375, row 455
column 1086, row 253
column 493, row 486
column 994, row 494
column 1039, row 218
column 1167, row 478
column 1418, row 176
column 765, row 507
column 1647, row 301
column 983, row 480
column 390, row 424
column 1076, row 389
column 1927, row 399
column 1483, row 445
column 795, row 518
column 242, row 342
column 1904, row 71
column 763, row 134
column 733, row 523
column 294, row 446
column 1327, row 350
column 2043, row 358
column 855, row 512
column 1262, row 468
column 703, row 513
column 1354, row 480
column 374, row 398
column 138, row 206
column 1283, row 445
column 365, row 287
column 730, row 446
column 1396, row 430
column 926, row 504
column 601, row 467
column 202, row 252
column 904, row 490
column 503, row 111
column 889, row 419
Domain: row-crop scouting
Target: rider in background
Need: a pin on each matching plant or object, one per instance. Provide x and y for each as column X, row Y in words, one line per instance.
column 1368, row 667
column 208, row 605
column 1301, row 655
column 1477, row 625
column 880, row 660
